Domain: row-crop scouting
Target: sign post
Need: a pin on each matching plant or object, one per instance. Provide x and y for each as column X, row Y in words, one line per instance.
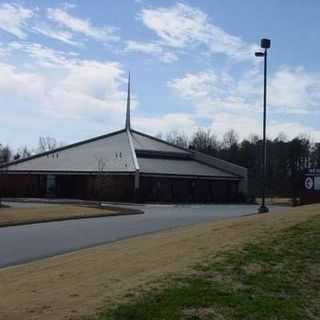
column 311, row 189
column 312, row 179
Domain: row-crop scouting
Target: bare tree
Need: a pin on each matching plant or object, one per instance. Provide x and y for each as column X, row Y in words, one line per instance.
column 22, row 153
column 230, row 139
column 253, row 138
column 48, row 144
column 282, row 137
column 5, row 155
column 101, row 165
column 204, row 141
column 1, row 187
column 2, row 191
column 159, row 135
column 179, row 139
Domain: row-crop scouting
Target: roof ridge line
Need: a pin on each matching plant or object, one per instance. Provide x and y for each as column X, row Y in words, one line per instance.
column 133, row 151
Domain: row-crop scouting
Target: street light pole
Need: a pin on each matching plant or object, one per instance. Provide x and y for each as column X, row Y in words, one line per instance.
column 265, row 44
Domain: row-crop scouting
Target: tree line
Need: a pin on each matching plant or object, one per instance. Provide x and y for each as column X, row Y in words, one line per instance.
column 7, row 153
column 287, row 158
column 286, row 162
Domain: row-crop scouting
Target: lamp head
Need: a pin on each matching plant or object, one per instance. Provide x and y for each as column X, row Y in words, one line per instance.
column 265, row 43
column 259, row 54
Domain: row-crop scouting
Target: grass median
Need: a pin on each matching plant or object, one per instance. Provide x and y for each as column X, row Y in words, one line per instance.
column 19, row 216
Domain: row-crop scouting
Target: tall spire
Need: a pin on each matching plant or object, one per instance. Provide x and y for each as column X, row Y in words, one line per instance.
column 128, row 125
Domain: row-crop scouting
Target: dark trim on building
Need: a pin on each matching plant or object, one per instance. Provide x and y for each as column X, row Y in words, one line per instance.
column 144, row 174
column 162, row 154
column 93, row 173
column 132, row 173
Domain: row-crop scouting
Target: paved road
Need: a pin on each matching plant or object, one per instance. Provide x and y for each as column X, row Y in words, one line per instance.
column 26, row 243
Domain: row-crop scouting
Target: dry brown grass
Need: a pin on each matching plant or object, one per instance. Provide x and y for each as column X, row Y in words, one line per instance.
column 81, row 283
column 14, row 216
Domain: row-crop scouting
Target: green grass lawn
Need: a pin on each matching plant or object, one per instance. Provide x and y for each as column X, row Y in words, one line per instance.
column 274, row 279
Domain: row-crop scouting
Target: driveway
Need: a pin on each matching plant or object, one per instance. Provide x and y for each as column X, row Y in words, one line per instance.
column 30, row 242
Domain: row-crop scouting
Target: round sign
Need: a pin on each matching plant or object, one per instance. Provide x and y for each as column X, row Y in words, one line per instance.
column 308, row 183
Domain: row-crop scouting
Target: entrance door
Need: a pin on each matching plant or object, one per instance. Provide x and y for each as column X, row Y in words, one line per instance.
column 51, row 186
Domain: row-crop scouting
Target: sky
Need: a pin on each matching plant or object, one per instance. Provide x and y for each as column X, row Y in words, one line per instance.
column 64, row 67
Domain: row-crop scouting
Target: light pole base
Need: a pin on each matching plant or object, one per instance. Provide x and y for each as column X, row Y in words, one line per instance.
column 263, row 209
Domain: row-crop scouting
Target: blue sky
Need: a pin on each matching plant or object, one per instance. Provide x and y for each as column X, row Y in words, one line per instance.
column 64, row 66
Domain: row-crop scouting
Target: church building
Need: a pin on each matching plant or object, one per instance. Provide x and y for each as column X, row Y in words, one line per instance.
column 127, row 166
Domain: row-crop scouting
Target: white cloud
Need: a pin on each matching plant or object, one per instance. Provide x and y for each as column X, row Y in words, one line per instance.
column 61, row 25
column 245, row 125
column 145, row 47
column 88, row 86
column 168, row 57
column 166, row 123
column 151, row 48
column 294, row 90
column 184, row 26
column 60, row 84
column 64, row 86
column 290, row 91
column 20, row 83
column 84, row 27
column 13, row 19
column 61, row 35
column 42, row 55
column 210, row 92
column 194, row 86
column 231, row 103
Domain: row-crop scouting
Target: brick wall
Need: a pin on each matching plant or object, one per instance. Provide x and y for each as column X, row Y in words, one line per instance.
column 182, row 190
column 90, row 187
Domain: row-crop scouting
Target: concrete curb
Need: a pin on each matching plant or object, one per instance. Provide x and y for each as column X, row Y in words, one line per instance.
column 23, row 223
column 51, row 201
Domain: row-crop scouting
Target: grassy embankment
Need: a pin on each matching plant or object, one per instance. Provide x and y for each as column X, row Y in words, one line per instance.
column 278, row 278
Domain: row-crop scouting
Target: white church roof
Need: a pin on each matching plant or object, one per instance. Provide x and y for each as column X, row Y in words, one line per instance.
column 180, row 167
column 109, row 153
column 125, row 151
